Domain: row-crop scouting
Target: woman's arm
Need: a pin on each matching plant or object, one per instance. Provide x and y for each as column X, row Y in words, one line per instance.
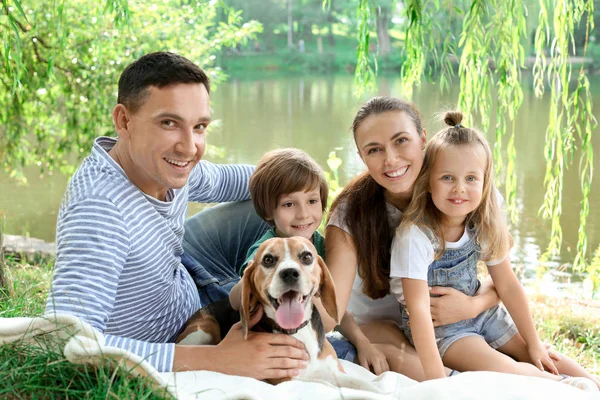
column 486, row 297
column 416, row 295
column 453, row 306
column 514, row 298
column 351, row 331
column 342, row 263
column 369, row 356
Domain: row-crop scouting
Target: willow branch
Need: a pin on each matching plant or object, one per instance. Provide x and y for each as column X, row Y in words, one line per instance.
column 45, row 60
column 42, row 42
column 585, row 44
column 12, row 17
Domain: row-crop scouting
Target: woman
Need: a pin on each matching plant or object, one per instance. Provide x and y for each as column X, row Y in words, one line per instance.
column 390, row 140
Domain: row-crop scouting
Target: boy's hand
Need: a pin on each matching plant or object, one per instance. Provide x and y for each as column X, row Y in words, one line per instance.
column 373, row 359
column 541, row 358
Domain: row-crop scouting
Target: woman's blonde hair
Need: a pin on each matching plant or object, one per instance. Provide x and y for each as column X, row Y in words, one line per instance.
column 486, row 220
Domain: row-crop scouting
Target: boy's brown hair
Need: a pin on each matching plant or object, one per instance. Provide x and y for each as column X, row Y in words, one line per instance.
column 284, row 171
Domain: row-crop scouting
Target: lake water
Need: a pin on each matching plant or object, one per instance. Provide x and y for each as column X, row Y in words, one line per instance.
column 314, row 113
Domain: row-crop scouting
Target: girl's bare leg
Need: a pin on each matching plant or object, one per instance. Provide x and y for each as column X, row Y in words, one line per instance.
column 401, row 355
column 472, row 353
column 517, row 348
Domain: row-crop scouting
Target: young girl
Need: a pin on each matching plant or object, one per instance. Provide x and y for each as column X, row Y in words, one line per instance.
column 453, row 221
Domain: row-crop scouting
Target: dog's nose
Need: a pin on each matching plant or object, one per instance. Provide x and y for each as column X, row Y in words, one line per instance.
column 289, row 275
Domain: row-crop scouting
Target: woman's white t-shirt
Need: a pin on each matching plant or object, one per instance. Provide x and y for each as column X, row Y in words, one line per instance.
column 363, row 308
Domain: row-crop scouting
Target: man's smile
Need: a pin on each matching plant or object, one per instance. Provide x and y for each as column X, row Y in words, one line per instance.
column 177, row 163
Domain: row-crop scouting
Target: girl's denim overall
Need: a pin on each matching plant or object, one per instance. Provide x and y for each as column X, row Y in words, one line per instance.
column 457, row 268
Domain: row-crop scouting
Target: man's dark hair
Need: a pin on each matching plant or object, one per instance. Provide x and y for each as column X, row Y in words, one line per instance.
column 158, row 69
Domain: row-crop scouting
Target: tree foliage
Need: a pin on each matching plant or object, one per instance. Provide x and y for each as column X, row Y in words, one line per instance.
column 60, row 61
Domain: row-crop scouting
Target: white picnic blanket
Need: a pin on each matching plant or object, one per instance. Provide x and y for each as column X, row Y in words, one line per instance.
column 83, row 344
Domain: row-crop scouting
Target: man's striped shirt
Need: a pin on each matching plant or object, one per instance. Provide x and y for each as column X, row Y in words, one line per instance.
column 118, row 263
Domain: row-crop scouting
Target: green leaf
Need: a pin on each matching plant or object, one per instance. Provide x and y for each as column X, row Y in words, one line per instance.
column 18, row 5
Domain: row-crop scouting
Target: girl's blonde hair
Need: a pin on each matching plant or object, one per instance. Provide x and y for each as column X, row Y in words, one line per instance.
column 486, row 220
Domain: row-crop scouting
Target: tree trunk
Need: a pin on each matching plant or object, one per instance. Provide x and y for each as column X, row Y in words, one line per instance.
column 330, row 37
column 290, row 25
column 3, row 280
column 330, row 20
column 383, row 36
column 307, row 31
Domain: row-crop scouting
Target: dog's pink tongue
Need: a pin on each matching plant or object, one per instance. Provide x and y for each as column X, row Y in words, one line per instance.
column 290, row 313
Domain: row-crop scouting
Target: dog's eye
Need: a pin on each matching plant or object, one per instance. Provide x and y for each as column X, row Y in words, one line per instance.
column 269, row 260
column 306, row 258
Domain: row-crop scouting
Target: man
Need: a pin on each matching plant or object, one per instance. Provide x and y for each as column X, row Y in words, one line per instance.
column 121, row 223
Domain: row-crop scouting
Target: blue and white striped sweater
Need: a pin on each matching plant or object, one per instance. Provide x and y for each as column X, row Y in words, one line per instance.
column 118, row 252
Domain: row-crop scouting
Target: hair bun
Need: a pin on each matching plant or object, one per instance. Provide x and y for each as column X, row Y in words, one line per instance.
column 453, row 118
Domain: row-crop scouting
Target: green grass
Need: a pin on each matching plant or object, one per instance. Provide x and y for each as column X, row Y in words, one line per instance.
column 572, row 327
column 28, row 372
column 28, row 289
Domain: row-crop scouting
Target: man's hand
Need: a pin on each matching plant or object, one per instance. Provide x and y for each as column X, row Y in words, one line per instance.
column 262, row 355
column 452, row 306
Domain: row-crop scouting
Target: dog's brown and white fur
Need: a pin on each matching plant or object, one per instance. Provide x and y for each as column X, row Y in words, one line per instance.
column 283, row 270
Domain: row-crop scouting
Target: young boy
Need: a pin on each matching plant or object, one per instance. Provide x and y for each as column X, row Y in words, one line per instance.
column 289, row 191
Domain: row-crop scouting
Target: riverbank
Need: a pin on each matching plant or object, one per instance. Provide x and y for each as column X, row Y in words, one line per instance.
column 277, row 63
column 26, row 246
column 313, row 57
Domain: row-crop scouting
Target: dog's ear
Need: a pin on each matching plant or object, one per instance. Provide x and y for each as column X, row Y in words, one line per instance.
column 249, row 300
column 327, row 291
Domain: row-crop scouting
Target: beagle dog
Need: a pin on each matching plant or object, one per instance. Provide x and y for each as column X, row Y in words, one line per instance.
column 284, row 276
